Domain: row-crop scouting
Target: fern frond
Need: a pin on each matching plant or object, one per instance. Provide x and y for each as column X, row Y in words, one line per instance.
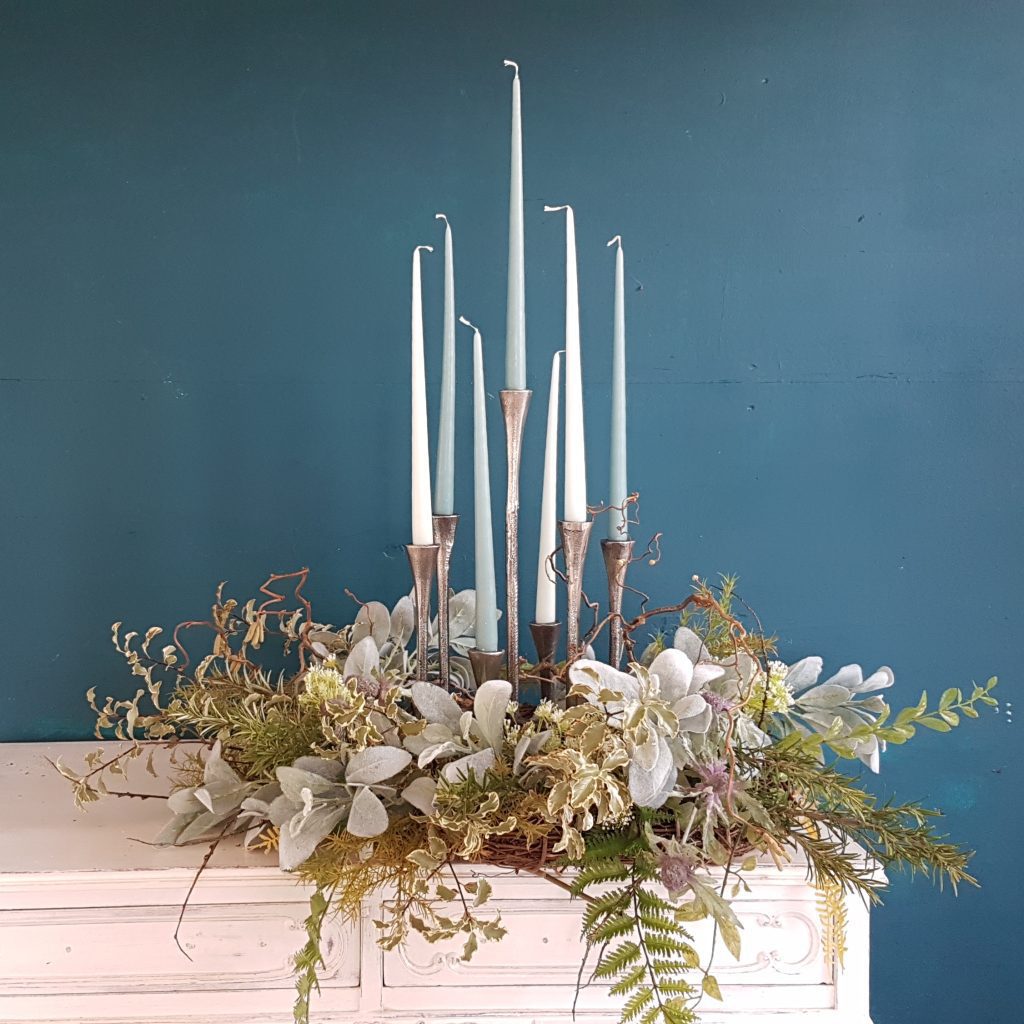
column 658, row 923
column 612, row 928
column 629, row 981
column 599, row 872
column 637, row 1003
column 832, row 914
column 621, row 958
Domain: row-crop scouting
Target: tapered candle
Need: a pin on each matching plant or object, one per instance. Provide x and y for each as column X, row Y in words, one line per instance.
column 422, row 521
column 546, row 586
column 618, row 528
column 515, row 310
column 444, row 475
column 575, row 508
column 486, row 595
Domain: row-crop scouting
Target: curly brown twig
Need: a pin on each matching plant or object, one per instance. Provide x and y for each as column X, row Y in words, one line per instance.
column 633, row 500
column 301, row 576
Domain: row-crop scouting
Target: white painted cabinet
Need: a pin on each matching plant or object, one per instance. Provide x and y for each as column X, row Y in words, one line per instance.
column 87, row 917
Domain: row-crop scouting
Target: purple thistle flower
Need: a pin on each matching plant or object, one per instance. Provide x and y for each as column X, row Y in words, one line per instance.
column 716, row 781
column 716, row 701
column 676, row 873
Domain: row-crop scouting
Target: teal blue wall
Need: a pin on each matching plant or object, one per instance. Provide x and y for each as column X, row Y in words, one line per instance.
column 206, row 214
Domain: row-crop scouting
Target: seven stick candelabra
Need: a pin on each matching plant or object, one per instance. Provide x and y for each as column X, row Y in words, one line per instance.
column 428, row 560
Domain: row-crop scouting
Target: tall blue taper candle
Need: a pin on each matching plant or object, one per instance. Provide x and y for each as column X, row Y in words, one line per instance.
column 515, row 310
column 618, row 528
column 444, row 475
column 486, row 593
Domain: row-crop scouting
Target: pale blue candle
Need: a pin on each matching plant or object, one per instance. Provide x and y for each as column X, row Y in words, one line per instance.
column 515, row 310
column 618, row 528
column 444, row 477
column 486, row 594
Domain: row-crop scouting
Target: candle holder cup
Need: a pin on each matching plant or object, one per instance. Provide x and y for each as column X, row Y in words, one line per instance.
column 575, row 537
column 545, row 639
column 444, row 538
column 486, row 664
column 617, row 556
column 423, row 562
column 514, row 406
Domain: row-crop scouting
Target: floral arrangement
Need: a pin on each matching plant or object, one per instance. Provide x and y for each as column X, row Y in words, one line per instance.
column 646, row 793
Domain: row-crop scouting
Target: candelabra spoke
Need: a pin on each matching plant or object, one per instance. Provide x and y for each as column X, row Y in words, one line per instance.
column 486, row 664
column 575, row 537
column 514, row 406
column 423, row 562
column 545, row 639
column 617, row 555
column 444, row 538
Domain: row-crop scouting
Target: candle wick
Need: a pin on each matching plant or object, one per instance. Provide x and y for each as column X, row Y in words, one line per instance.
column 444, row 217
column 616, row 239
column 512, row 64
column 463, row 320
column 427, row 248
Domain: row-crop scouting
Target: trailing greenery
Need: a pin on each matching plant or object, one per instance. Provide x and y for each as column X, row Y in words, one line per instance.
column 648, row 794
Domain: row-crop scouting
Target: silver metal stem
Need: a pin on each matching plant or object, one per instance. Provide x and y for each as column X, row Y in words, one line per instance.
column 444, row 538
column 514, row 406
column 617, row 555
column 423, row 562
column 574, row 547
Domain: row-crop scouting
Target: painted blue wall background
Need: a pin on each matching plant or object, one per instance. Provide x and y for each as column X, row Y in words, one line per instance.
column 206, row 214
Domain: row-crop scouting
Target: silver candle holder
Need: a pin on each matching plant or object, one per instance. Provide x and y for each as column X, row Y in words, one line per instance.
column 486, row 664
column 444, row 538
column 423, row 562
column 617, row 556
column 545, row 640
column 575, row 537
column 514, row 406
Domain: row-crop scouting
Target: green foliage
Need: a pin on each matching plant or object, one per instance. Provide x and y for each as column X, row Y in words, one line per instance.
column 309, row 959
column 821, row 811
column 643, row 948
column 742, row 774
column 945, row 717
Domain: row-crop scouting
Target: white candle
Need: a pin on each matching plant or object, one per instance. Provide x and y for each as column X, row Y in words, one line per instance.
column 546, row 586
column 618, row 528
column 575, row 508
column 422, row 521
column 444, row 475
column 486, row 595
column 515, row 310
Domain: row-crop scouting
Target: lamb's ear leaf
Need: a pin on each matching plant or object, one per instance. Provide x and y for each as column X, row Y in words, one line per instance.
column 373, row 620
column 403, row 621
column 489, row 706
column 436, row 705
column 420, row 793
column 294, row 780
column 478, row 763
column 462, row 614
column 363, row 660
column 375, row 764
column 303, row 833
column 647, row 786
column 368, row 817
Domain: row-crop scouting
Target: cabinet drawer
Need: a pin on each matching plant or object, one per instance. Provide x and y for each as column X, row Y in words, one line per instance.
column 233, row 947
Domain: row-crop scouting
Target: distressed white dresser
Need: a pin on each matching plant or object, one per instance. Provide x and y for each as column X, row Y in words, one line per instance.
column 87, row 917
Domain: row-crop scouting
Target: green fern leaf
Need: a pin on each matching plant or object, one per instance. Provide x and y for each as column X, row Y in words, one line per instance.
column 621, row 958
column 637, row 1003
column 612, row 928
column 629, row 981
